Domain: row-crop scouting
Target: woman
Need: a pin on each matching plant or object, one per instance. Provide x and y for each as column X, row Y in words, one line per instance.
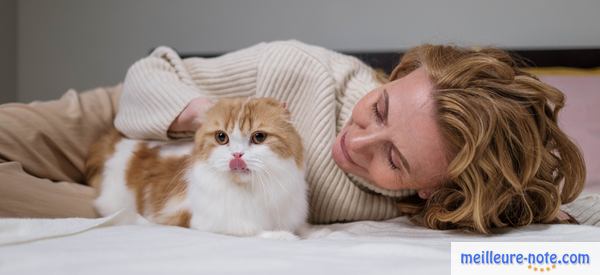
column 457, row 138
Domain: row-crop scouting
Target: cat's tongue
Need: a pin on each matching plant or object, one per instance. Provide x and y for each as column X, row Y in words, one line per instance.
column 237, row 164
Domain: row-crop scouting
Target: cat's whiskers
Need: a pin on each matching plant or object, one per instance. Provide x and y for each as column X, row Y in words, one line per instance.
column 221, row 164
column 266, row 195
column 278, row 220
column 255, row 163
column 254, row 179
column 263, row 187
column 262, row 165
column 262, row 171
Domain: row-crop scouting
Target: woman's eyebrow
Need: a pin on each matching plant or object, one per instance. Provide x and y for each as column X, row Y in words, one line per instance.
column 386, row 100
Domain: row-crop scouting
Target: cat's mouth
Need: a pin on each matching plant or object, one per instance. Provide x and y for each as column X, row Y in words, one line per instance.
column 240, row 176
column 238, row 165
column 240, row 171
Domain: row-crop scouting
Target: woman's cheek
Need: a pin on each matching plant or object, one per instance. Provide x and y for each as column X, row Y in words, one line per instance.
column 382, row 178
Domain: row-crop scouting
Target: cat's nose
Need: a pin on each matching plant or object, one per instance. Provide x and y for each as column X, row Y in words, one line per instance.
column 238, row 155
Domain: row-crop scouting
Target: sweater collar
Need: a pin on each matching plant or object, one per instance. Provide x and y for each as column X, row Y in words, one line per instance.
column 371, row 188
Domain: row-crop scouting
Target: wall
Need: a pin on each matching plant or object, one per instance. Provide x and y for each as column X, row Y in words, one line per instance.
column 83, row 43
column 8, row 51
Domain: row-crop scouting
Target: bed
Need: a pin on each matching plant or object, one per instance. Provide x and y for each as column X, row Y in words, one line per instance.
column 97, row 246
column 103, row 246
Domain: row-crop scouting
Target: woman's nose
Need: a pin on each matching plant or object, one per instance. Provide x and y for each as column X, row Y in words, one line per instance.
column 363, row 140
column 360, row 120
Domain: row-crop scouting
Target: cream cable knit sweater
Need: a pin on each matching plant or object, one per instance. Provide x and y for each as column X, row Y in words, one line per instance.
column 320, row 86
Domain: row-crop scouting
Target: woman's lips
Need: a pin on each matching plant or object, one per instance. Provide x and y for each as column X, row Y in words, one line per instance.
column 344, row 150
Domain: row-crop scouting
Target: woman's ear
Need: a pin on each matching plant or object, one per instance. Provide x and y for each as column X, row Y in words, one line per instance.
column 425, row 193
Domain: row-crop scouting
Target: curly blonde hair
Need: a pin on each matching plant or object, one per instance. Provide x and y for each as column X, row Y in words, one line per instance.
column 509, row 162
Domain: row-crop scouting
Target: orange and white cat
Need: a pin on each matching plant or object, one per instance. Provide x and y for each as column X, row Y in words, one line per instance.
column 242, row 175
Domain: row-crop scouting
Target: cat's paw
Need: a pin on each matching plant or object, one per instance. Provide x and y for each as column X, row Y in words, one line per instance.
column 278, row 235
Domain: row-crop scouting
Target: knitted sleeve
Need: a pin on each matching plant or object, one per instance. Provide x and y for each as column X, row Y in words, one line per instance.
column 157, row 88
column 585, row 209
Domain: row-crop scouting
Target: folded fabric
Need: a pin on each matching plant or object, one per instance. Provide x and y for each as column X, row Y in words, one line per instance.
column 13, row 231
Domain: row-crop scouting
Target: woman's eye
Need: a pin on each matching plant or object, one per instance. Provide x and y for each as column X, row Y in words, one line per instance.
column 391, row 162
column 376, row 113
column 258, row 137
column 221, row 137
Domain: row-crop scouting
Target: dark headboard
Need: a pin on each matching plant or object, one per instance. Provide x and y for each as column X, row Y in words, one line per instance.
column 577, row 58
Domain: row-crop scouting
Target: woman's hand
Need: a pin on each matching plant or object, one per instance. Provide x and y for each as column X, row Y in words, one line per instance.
column 192, row 117
column 564, row 217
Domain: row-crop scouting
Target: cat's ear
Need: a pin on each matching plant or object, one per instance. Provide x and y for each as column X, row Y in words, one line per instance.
column 285, row 107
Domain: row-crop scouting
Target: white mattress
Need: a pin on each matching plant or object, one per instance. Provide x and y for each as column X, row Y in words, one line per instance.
column 94, row 246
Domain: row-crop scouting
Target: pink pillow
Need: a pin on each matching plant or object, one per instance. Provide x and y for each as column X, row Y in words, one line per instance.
column 580, row 118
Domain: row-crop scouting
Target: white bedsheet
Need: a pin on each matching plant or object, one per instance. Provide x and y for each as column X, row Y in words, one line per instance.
column 93, row 246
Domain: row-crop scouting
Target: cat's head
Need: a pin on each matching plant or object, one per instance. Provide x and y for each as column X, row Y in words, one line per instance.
column 242, row 136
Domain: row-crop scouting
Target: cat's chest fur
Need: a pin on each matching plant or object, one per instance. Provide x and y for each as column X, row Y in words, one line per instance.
column 272, row 204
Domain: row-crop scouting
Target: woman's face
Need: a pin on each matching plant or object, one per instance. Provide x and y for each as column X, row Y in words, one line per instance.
column 392, row 139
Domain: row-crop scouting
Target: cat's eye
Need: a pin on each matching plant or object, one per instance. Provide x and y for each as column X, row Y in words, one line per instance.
column 259, row 137
column 221, row 137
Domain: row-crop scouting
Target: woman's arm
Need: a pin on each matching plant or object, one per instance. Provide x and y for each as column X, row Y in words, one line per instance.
column 157, row 89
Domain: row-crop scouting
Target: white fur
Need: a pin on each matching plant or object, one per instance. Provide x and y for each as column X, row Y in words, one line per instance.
column 114, row 194
column 272, row 197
